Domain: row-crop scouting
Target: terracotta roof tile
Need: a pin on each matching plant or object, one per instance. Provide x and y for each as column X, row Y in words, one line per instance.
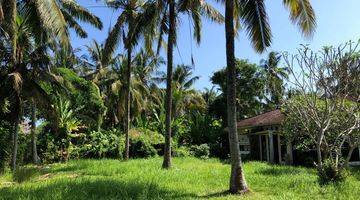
column 274, row 117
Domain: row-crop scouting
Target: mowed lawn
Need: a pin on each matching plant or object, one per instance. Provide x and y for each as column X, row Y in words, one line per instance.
column 190, row 178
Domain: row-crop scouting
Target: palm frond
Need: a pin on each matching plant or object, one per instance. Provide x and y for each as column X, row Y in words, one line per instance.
column 302, row 14
column 211, row 13
column 113, row 39
column 191, row 81
column 53, row 20
column 74, row 25
column 196, row 18
column 163, row 29
column 82, row 14
column 255, row 19
column 1, row 11
column 16, row 81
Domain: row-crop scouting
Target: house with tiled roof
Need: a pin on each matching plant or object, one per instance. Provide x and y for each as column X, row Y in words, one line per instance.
column 260, row 138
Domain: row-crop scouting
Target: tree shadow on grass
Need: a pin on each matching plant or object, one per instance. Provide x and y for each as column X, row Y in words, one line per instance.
column 69, row 167
column 216, row 194
column 224, row 194
column 92, row 189
column 279, row 171
column 25, row 173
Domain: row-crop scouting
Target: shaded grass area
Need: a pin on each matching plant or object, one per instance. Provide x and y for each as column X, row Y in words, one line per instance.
column 190, row 178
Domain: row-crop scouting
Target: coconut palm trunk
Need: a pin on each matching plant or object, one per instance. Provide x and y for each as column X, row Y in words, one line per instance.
column 15, row 135
column 10, row 26
column 35, row 156
column 168, row 102
column 237, row 179
column 127, row 103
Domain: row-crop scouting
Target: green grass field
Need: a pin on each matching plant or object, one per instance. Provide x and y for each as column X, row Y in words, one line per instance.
column 190, row 178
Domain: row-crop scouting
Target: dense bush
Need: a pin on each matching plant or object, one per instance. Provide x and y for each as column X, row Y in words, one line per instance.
column 145, row 143
column 181, row 151
column 99, row 144
column 330, row 172
column 203, row 129
column 49, row 147
column 200, row 151
column 95, row 144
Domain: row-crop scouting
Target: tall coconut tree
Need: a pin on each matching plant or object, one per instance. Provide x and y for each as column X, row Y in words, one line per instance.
column 126, row 22
column 252, row 16
column 130, row 26
column 166, row 21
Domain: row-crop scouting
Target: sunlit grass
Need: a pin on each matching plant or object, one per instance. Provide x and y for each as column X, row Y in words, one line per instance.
column 190, row 178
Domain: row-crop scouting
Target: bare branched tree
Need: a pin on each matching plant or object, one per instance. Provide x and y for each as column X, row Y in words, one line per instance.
column 326, row 106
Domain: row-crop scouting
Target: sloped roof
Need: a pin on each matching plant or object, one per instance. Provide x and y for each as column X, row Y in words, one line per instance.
column 274, row 117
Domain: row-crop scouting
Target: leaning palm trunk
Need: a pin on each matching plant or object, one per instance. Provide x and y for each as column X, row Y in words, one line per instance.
column 168, row 101
column 237, row 179
column 35, row 156
column 127, row 103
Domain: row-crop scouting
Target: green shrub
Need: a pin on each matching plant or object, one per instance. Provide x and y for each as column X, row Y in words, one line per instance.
column 331, row 173
column 100, row 144
column 51, row 151
column 181, row 151
column 145, row 143
column 200, row 151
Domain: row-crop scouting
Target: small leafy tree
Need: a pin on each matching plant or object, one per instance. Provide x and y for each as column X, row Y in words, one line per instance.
column 67, row 123
column 249, row 90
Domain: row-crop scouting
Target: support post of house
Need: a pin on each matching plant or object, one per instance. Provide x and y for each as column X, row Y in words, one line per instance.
column 279, row 148
column 271, row 146
column 289, row 153
column 267, row 148
column 260, row 148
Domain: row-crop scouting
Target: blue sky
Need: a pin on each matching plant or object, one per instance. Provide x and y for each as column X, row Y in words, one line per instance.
column 337, row 22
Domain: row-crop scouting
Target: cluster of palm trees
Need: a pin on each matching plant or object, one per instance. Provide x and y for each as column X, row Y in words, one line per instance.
column 31, row 31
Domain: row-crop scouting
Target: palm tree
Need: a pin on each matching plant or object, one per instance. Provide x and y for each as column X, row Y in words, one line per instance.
column 209, row 95
column 138, row 91
column 165, row 20
column 185, row 98
column 20, row 80
column 131, row 20
column 145, row 64
column 274, row 76
column 252, row 14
